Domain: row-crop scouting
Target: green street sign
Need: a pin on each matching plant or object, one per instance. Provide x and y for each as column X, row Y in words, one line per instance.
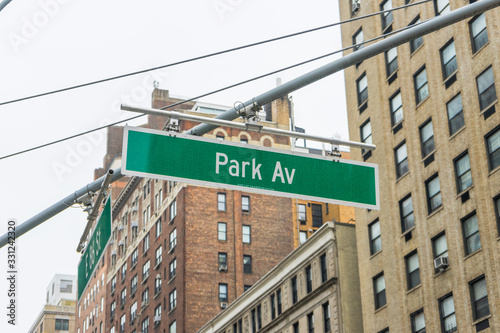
column 202, row 161
column 95, row 248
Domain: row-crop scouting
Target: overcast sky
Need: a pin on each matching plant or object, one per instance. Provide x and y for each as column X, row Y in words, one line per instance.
column 52, row 44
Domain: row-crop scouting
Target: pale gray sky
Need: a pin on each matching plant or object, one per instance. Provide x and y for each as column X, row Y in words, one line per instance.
column 51, row 44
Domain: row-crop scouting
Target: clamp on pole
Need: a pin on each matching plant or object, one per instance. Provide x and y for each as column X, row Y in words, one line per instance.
column 173, row 124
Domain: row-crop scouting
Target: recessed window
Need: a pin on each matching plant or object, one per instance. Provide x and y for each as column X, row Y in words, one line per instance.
column 401, row 157
column 278, row 301
column 222, row 292
column 455, row 114
column 303, row 236
column 173, row 209
column 421, row 86
column 220, row 136
column 157, row 284
column 375, row 240
column 442, row 7
column 417, row 42
column 447, row 314
column 412, row 270
column 172, row 299
column 471, row 234
column 221, row 201
column 222, row 259
column 379, row 290
column 326, row 317
column 172, row 269
column 406, row 212
column 391, row 61
column 439, row 246
column 433, row 193
column 396, row 105
column 247, row 264
column 427, row 138
column 324, row 270
column 158, row 255
column 317, row 215
column 173, row 239
column 479, row 298
column 247, row 234
column 158, row 227
column 145, row 270
column 133, row 284
column 244, row 140
column 362, row 86
column 366, row 134
column 145, row 243
column 496, row 202
column 418, row 322
column 449, row 59
column 462, row 172
column 294, row 290
column 245, row 203
column 387, row 17
column 486, row 88
column 308, row 279
column 302, row 213
column 61, row 325
column 493, row 148
column 358, row 39
column 145, row 325
column 310, row 322
column 478, row 32
column 172, row 328
column 222, row 231
column 145, row 297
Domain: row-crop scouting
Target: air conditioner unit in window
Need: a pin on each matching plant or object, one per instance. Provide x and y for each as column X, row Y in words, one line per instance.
column 157, row 319
column 222, row 268
column 355, row 6
column 441, row 263
column 223, row 305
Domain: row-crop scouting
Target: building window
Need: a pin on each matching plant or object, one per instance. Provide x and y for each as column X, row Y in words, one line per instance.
column 145, row 297
column 246, row 287
column 220, row 136
column 406, row 211
column 112, row 309
column 222, row 261
column 303, row 236
column 123, row 296
column 317, row 215
column 66, row 286
column 221, row 201
column 259, row 317
column 172, row 299
column 173, row 239
column 124, row 271
column 486, row 88
column 134, row 257
column 442, row 7
column 244, row 140
column 418, row 322
column 222, row 292
column 278, row 300
column 391, row 61
column 247, row 264
column 294, row 290
column 145, row 243
column 157, row 284
column 173, row 209
column 417, row 42
column 113, row 283
column 493, row 148
column 326, row 317
column 447, row 314
column 122, row 323
column 479, row 298
column 308, row 279
column 273, row 306
column 362, row 86
column 439, row 246
column 296, row 327
column 62, row 325
column 172, row 269
column 302, row 213
column 396, row 105
column 358, row 39
column 172, row 328
column 145, row 270
column 133, row 285
column 433, row 191
column 324, row 270
column 375, row 240
column 421, row 86
column 448, row 59
column 145, row 325
column 455, row 114
column 462, row 172
column 246, row 234
column 386, row 17
column 133, row 312
column 366, row 134
column 412, row 270
column 379, row 290
column 496, row 202
column 157, row 317
column 310, row 322
column 401, row 156
column 427, row 138
column 479, row 35
column 222, row 228
column 158, row 254
column 245, row 203
column 471, row 234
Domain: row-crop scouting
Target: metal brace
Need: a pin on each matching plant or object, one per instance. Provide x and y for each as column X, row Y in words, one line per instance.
column 335, row 153
column 250, row 115
column 173, row 124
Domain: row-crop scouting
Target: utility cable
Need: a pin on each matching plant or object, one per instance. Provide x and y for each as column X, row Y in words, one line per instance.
column 208, row 55
column 215, row 91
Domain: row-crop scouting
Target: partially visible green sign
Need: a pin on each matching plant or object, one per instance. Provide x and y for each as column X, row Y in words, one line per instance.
column 95, row 248
column 202, row 161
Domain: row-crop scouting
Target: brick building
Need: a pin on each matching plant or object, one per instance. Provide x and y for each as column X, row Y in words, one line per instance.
column 429, row 259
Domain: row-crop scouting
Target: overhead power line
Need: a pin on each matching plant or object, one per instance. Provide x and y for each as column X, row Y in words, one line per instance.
column 212, row 92
column 206, row 55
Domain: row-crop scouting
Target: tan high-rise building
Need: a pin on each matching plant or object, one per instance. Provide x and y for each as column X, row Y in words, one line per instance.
column 429, row 259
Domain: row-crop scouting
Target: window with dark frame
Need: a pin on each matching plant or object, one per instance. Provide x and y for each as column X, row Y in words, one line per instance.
column 447, row 314
column 418, row 322
column 427, row 138
column 493, row 148
column 412, row 270
column 417, row 42
column 479, row 298
column 172, row 269
column 220, row 136
column 247, row 264
column 317, row 215
column 448, row 59
column 387, row 17
column 362, row 86
column 472, row 241
column 455, row 114
column 486, row 88
column 222, row 231
column 379, row 291
column 294, row 290
column 406, row 212
column 326, row 317
column 366, row 134
column 173, row 239
column 396, row 105
column 278, row 301
column 463, row 175
column 496, row 202
column 433, row 191
column 296, row 327
column 247, row 237
column 439, row 246
column 478, row 32
column 273, row 306
column 302, row 213
column 302, row 236
column 421, row 85
column 401, row 157
column 172, row 300
column 222, row 259
column 324, row 269
column 221, row 202
column 374, row 234
column 391, row 61
column 442, row 7
column 358, row 38
column 222, row 292
column 245, row 203
column 259, row 317
column 308, row 279
column 310, row 322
